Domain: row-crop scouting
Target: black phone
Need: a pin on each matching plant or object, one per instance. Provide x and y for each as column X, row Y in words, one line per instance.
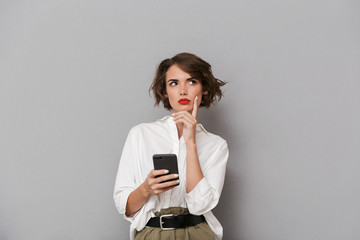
column 166, row 161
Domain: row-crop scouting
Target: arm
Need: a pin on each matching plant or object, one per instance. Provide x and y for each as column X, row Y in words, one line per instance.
column 202, row 192
column 203, row 189
column 129, row 198
column 193, row 170
column 125, row 182
column 136, row 200
column 206, row 194
column 151, row 186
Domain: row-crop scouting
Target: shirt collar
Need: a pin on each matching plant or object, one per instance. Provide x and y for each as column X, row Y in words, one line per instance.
column 199, row 126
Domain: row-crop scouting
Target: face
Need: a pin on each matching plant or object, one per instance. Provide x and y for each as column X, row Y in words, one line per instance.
column 181, row 89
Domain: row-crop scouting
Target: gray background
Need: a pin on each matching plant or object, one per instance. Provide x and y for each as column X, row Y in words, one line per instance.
column 74, row 77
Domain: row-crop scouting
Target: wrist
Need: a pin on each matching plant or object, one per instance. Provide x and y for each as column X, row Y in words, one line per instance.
column 191, row 145
column 144, row 191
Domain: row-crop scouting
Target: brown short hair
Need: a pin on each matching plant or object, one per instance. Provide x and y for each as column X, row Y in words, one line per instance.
column 197, row 68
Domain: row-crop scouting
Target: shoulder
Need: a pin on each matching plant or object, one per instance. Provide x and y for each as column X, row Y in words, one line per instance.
column 212, row 141
column 217, row 138
column 142, row 128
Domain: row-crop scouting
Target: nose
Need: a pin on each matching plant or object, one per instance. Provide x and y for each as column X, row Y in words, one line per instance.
column 183, row 90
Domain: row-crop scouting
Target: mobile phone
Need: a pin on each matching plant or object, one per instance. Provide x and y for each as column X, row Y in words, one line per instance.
column 166, row 161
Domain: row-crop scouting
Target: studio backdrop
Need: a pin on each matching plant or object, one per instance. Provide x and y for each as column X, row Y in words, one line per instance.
column 74, row 79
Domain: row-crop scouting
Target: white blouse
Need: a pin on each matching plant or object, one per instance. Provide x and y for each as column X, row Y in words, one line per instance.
column 147, row 139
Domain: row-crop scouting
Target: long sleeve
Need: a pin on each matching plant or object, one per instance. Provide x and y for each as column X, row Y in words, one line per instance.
column 146, row 139
column 125, row 179
column 206, row 194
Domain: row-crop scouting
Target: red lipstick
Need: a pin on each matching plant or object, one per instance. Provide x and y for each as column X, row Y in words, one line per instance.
column 184, row 101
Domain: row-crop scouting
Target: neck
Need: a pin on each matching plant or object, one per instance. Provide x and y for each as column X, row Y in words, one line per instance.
column 179, row 127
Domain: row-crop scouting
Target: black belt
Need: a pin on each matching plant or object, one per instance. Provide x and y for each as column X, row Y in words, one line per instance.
column 169, row 221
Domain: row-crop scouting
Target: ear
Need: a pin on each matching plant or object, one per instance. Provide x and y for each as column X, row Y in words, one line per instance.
column 165, row 95
column 205, row 92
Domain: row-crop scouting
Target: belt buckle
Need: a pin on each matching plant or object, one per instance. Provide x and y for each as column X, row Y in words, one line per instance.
column 161, row 222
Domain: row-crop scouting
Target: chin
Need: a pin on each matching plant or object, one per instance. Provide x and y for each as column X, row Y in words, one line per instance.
column 183, row 108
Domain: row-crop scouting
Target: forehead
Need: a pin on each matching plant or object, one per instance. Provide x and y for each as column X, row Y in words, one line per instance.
column 175, row 72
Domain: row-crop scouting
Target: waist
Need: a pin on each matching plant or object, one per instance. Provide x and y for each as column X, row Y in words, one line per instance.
column 173, row 218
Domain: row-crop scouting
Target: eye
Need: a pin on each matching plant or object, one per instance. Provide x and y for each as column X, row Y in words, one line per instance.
column 192, row 82
column 171, row 84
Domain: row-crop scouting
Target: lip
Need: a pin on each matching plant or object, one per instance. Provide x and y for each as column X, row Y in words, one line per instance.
column 184, row 101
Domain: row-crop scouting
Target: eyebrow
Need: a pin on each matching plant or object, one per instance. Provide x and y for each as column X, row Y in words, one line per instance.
column 175, row 80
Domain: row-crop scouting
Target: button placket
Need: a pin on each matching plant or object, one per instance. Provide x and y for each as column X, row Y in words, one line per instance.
column 175, row 142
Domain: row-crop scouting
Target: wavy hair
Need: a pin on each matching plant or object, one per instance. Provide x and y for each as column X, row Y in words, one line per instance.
column 197, row 68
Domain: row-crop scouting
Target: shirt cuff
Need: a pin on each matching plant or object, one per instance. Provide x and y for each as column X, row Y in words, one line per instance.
column 198, row 197
column 121, row 202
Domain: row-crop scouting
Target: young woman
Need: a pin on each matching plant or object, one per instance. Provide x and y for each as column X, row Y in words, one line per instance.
column 183, row 84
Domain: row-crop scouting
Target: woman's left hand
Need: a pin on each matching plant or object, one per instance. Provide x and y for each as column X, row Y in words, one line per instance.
column 189, row 122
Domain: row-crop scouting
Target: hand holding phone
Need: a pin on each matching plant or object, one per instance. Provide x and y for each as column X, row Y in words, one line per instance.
column 164, row 177
column 168, row 162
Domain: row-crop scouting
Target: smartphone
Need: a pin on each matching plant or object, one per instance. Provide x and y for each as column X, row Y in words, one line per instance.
column 166, row 161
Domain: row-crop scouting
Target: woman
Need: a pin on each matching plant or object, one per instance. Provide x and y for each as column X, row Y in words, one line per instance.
column 183, row 84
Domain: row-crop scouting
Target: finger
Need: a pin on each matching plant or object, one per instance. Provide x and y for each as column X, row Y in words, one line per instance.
column 186, row 120
column 167, row 177
column 155, row 173
column 166, row 184
column 182, row 113
column 190, row 120
column 195, row 108
column 181, row 120
column 185, row 114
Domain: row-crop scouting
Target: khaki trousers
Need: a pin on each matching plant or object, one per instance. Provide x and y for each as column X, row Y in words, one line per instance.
column 200, row 231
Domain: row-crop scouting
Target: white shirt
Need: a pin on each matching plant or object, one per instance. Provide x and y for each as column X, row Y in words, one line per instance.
column 147, row 139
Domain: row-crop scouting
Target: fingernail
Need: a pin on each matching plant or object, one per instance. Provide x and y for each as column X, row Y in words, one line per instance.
column 173, row 114
column 166, row 171
column 176, row 175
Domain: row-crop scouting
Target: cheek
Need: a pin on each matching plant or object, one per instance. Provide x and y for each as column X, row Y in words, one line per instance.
column 170, row 95
column 199, row 92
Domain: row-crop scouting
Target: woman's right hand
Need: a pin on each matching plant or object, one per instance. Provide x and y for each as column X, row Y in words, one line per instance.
column 153, row 186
